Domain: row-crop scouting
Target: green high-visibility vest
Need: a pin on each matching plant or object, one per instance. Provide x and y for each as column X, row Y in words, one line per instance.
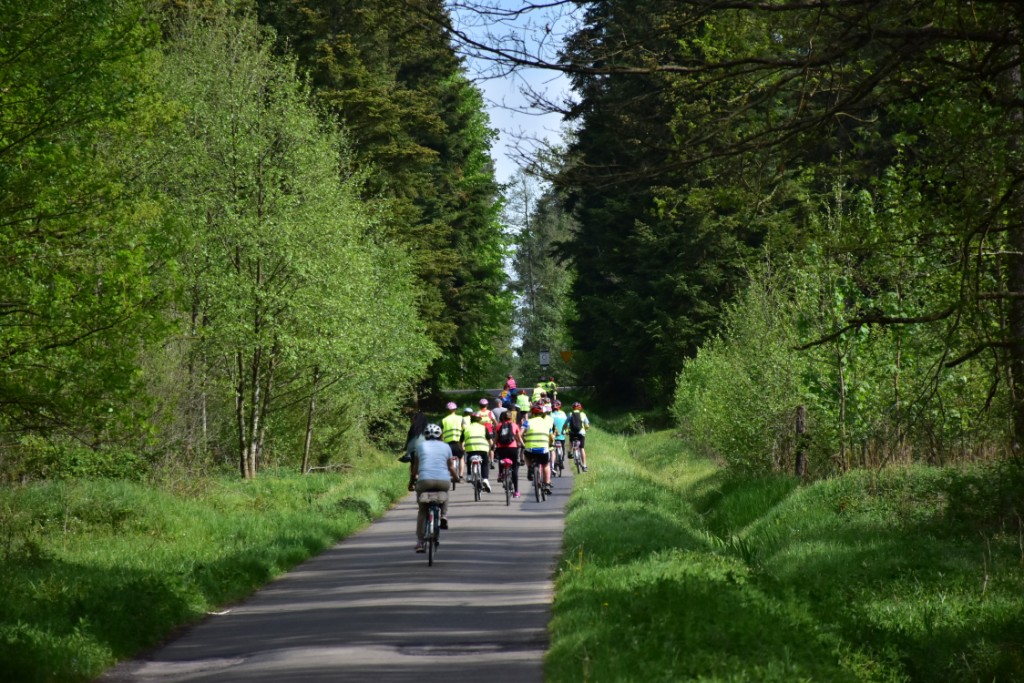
column 475, row 438
column 538, row 431
column 452, row 428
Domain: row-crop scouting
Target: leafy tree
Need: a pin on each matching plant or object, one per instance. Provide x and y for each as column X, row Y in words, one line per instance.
column 542, row 282
column 748, row 114
column 388, row 72
column 293, row 292
column 78, row 239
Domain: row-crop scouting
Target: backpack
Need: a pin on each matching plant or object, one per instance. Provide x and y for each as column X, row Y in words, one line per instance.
column 575, row 423
column 505, row 434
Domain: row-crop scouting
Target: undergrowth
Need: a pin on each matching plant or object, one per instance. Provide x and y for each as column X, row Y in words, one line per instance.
column 93, row 571
column 675, row 570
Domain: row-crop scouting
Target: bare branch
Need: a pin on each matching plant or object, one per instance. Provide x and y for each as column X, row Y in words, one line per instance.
column 882, row 320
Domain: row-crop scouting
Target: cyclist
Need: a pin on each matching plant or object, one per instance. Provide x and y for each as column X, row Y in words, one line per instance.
column 537, row 436
column 414, row 435
column 490, row 423
column 476, row 442
column 551, row 386
column 558, row 418
column 576, row 424
column 522, row 406
column 433, row 469
column 506, row 445
column 451, row 425
column 510, row 383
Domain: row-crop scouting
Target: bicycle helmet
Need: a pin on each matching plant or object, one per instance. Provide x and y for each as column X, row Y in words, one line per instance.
column 467, row 410
column 451, row 406
column 577, row 406
column 432, row 431
column 484, row 402
column 557, row 405
column 536, row 409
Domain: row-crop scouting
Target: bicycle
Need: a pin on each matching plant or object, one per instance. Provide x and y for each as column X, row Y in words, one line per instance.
column 577, row 457
column 432, row 526
column 559, row 457
column 475, row 478
column 538, row 484
column 506, row 479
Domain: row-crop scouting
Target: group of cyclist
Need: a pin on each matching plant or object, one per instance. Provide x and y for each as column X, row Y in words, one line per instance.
column 518, row 428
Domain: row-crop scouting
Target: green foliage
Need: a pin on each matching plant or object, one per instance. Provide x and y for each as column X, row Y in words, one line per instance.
column 873, row 393
column 79, row 557
column 292, row 291
column 542, row 281
column 79, row 242
column 388, row 73
column 674, row 569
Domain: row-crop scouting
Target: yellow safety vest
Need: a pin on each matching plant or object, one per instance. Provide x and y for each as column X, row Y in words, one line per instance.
column 537, row 432
column 452, row 428
column 475, row 438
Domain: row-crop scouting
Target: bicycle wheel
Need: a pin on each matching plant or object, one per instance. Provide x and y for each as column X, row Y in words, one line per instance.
column 576, row 458
column 507, row 481
column 537, row 485
column 477, row 485
column 431, row 536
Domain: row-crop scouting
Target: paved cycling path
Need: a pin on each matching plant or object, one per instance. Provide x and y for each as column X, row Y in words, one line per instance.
column 370, row 609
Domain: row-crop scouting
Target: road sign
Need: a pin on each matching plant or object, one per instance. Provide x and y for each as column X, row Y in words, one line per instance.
column 545, row 357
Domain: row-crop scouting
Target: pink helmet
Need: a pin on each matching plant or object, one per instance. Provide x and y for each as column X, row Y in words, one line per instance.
column 451, row 406
column 484, row 402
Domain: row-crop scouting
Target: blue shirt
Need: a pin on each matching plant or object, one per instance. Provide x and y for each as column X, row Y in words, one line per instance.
column 559, row 418
column 433, row 456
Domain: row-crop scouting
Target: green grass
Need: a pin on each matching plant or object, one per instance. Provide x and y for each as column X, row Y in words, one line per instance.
column 674, row 569
column 78, row 559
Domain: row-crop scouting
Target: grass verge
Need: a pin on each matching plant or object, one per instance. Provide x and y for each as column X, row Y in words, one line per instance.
column 93, row 571
column 676, row 570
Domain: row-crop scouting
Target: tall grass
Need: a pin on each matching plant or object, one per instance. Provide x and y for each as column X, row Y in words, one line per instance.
column 92, row 571
column 676, row 570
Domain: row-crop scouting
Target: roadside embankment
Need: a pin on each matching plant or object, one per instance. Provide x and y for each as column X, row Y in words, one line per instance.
column 95, row 570
column 675, row 569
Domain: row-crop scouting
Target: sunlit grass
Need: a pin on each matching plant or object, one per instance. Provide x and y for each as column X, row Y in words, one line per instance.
column 94, row 571
column 675, row 570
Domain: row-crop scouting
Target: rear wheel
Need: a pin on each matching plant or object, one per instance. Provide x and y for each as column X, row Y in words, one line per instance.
column 431, row 539
column 507, row 481
column 538, row 486
column 477, row 485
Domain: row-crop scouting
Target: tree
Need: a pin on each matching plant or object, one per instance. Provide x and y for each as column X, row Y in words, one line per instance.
column 79, row 240
column 388, row 72
column 542, row 282
column 798, row 95
column 293, row 292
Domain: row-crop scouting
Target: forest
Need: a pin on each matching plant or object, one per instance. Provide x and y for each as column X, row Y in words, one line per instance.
column 242, row 233
column 236, row 234
column 797, row 225
column 777, row 247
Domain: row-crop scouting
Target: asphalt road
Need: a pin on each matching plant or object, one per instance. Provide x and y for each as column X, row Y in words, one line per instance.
column 370, row 609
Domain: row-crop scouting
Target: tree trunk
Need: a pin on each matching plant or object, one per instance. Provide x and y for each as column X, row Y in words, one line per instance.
column 309, row 421
column 801, row 441
column 254, row 414
column 1015, row 262
column 842, row 413
column 240, row 415
column 265, row 405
